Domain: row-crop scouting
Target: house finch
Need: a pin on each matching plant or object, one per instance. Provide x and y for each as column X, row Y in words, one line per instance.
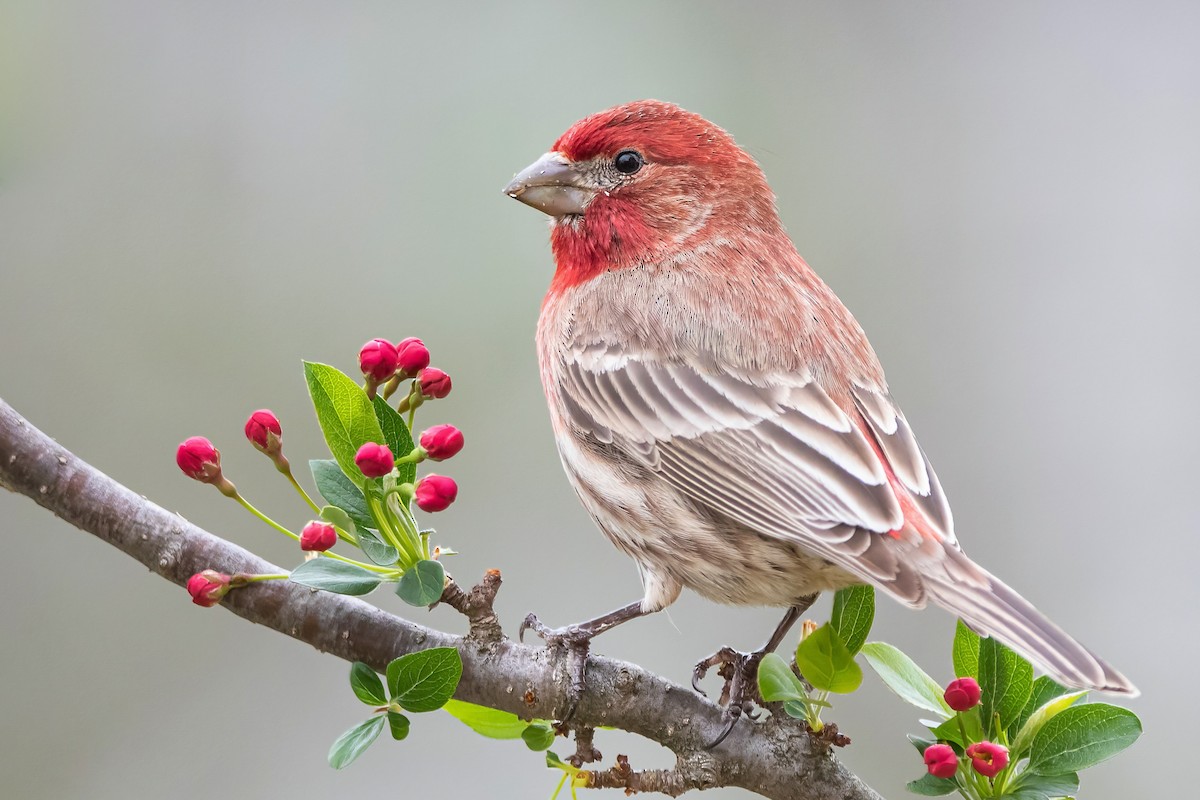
column 719, row 411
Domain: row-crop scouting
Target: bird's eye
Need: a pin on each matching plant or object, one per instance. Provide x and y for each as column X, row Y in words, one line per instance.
column 628, row 162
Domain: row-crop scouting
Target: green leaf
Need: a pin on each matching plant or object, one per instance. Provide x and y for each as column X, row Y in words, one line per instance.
column 853, row 613
column 966, row 651
column 339, row 519
column 425, row 680
column 399, row 725
column 1006, row 681
column 490, row 722
column 929, row 786
column 351, row 744
column 1082, row 737
column 379, row 552
column 422, row 584
column 777, row 682
column 335, row 576
column 950, row 731
column 825, row 662
column 554, row 762
column 366, row 684
column 798, row 709
column 1032, row 786
column 1045, row 689
column 921, row 743
column 905, row 678
column 397, row 437
column 338, row 490
column 538, row 736
column 345, row 414
column 1039, row 718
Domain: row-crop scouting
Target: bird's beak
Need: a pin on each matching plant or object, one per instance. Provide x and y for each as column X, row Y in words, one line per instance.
column 551, row 185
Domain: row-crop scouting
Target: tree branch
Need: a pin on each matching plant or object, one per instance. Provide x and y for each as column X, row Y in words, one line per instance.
column 775, row 759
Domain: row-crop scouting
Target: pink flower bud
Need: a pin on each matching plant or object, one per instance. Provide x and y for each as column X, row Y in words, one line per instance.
column 412, row 356
column 377, row 360
column 375, row 460
column 208, row 587
column 199, row 459
column 941, row 760
column 435, row 493
column 988, row 758
column 434, row 383
column 264, row 431
column 441, row 442
column 963, row 694
column 318, row 536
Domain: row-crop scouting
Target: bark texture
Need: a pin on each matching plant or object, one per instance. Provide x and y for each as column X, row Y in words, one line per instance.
column 775, row 759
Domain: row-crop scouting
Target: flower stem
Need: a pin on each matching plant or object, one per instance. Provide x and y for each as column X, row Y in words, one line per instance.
column 303, row 493
column 397, row 539
column 243, row 578
column 246, row 505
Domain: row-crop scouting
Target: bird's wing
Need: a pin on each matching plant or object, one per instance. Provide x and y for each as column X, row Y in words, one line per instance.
column 775, row 453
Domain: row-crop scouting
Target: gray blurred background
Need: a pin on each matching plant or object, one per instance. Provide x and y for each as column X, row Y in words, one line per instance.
column 194, row 196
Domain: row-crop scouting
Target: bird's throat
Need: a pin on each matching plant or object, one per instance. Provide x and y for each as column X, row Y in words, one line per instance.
column 611, row 235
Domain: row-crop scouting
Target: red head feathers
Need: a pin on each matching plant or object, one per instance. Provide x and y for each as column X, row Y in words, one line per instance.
column 644, row 179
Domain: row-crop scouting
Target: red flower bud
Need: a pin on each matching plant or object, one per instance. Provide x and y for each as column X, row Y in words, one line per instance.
column 375, row 460
column 434, row 383
column 199, row 460
column 988, row 758
column 963, row 694
column 441, row 442
column 264, row 431
column 941, row 760
column 412, row 356
column 435, row 493
column 208, row 587
column 318, row 536
column 377, row 360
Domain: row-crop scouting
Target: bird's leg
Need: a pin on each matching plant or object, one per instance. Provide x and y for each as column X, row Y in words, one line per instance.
column 740, row 670
column 577, row 640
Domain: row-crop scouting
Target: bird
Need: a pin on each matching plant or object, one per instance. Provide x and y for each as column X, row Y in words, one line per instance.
column 721, row 414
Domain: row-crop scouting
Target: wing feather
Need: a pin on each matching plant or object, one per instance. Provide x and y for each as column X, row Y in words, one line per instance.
column 908, row 462
column 775, row 453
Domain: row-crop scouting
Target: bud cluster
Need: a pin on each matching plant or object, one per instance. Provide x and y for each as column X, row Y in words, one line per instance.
column 383, row 364
column 986, row 758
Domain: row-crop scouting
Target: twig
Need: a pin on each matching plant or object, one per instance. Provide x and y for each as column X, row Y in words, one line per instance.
column 477, row 605
column 585, row 749
column 773, row 759
column 673, row 782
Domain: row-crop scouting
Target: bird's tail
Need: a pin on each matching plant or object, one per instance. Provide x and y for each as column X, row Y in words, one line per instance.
column 991, row 608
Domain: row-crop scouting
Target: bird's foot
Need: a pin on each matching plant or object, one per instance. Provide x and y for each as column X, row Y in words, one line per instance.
column 740, row 691
column 577, row 641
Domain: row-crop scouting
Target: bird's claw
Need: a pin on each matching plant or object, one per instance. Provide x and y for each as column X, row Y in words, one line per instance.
column 567, row 636
column 723, row 657
column 738, row 695
column 577, row 643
